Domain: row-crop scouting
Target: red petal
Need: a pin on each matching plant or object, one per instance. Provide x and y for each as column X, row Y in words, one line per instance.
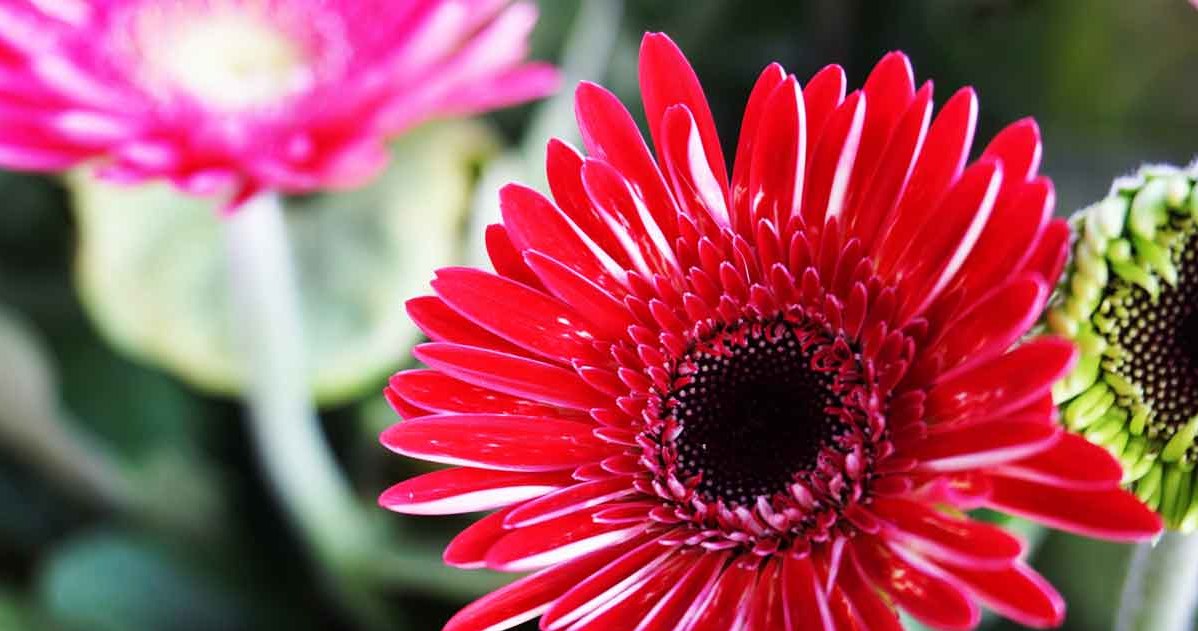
column 469, row 548
column 533, row 223
column 639, row 233
column 1071, row 463
column 605, row 584
column 509, row 374
column 779, row 156
column 570, row 500
column 981, row 445
column 1111, row 514
column 823, row 95
column 563, row 167
column 631, row 606
column 516, row 313
column 724, row 608
column 528, row 597
column 555, row 541
column 611, row 135
column 465, row 490
column 667, row 79
column 740, row 198
column 442, row 324
column 695, row 186
column 875, row 613
column 1051, row 252
column 963, row 541
column 1001, row 385
column 924, row 260
column 506, row 259
column 832, row 163
column 438, row 392
column 868, row 208
column 987, row 329
column 889, row 91
column 502, row 442
column 767, row 611
column 804, row 597
column 680, row 602
column 1003, row 246
column 1016, row 592
column 609, row 316
column 930, row 599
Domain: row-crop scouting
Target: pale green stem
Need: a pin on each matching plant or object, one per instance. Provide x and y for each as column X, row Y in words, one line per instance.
column 1161, row 588
column 291, row 445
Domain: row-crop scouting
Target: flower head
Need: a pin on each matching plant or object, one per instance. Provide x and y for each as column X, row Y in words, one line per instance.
column 234, row 96
column 765, row 400
column 1130, row 299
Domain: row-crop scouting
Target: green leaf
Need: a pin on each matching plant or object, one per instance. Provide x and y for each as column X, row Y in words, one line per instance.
column 116, row 582
column 152, row 270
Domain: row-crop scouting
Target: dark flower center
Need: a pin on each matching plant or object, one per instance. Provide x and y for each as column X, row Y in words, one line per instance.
column 756, row 412
column 1160, row 340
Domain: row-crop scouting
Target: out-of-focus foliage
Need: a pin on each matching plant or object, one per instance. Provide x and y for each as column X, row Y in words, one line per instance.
column 151, row 268
column 203, row 545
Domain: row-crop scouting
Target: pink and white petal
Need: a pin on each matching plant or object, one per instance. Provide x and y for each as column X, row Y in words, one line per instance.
column 725, row 606
column 609, row 316
column 673, row 608
column 767, row 610
column 828, row 177
column 822, row 95
column 696, row 188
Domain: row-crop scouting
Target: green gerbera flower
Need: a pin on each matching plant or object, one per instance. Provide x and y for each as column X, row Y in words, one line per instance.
column 1130, row 301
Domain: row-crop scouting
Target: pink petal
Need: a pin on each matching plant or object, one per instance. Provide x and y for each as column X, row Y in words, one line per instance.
column 980, row 445
column 779, row 156
column 1016, row 592
column 740, row 195
column 958, row 540
column 438, row 392
column 928, row 598
column 606, row 584
column 442, row 324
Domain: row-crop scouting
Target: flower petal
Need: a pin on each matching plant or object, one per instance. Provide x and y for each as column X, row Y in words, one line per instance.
column 466, row 490
column 501, row 442
column 1112, row 514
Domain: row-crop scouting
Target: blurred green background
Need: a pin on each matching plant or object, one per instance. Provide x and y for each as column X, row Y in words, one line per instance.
column 114, row 339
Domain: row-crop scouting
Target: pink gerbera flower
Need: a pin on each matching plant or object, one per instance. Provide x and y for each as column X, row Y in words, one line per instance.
column 236, row 96
column 763, row 402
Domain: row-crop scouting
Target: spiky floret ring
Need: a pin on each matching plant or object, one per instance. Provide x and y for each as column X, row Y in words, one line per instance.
column 1130, row 301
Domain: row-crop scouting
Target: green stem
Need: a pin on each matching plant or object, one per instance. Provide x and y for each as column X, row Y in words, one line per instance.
column 1161, row 589
column 292, row 448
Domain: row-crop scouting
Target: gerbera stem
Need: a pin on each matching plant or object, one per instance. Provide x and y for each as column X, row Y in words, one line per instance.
column 291, row 445
column 1161, row 589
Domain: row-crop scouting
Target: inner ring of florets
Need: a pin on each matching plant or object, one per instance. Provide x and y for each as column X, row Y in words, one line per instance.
column 767, row 428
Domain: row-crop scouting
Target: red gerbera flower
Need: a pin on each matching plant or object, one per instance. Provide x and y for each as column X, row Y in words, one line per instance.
column 762, row 402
